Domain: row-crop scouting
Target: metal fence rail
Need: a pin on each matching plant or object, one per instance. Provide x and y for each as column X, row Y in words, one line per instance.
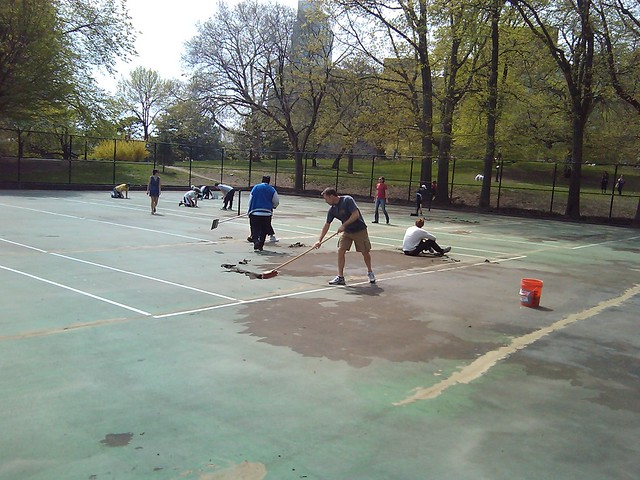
column 29, row 159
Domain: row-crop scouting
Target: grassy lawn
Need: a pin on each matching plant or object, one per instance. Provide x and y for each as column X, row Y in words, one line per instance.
column 525, row 185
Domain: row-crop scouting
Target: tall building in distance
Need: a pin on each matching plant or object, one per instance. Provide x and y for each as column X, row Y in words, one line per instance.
column 312, row 39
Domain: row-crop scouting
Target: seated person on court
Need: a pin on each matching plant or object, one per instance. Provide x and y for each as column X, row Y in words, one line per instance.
column 119, row 189
column 417, row 240
column 190, row 199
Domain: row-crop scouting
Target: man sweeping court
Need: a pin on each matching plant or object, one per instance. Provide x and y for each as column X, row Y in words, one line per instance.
column 262, row 200
column 353, row 229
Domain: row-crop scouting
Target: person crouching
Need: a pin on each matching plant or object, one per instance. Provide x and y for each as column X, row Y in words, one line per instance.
column 190, row 199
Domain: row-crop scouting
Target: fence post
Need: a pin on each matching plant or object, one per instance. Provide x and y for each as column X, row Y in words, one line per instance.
column 190, row 164
column 613, row 191
column 221, row 164
column 114, row 160
column 155, row 154
column 410, row 180
column 373, row 162
column 337, row 175
column 20, row 152
column 304, row 176
column 453, row 174
column 553, row 187
column 275, row 174
column 500, row 183
column 250, row 165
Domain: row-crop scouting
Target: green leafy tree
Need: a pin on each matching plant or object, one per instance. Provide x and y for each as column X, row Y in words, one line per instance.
column 48, row 50
column 145, row 96
column 249, row 67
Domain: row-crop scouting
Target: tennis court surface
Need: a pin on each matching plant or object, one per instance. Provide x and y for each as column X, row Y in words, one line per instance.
column 128, row 352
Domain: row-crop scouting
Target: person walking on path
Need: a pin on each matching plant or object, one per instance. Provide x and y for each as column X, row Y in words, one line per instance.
column 417, row 240
column 263, row 199
column 620, row 184
column 353, row 229
column 604, row 182
column 228, row 192
column 153, row 190
column 118, row 189
column 381, row 200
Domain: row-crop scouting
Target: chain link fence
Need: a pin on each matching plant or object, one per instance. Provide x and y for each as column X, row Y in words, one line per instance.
column 30, row 159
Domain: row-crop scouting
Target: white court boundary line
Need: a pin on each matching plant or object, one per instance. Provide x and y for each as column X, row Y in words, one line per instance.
column 323, row 289
column 81, row 292
column 617, row 240
column 119, row 270
column 204, row 240
column 483, row 364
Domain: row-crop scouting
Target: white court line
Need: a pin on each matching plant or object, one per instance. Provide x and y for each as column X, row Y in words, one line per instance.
column 113, row 224
column 618, row 240
column 323, row 289
column 23, row 245
column 483, row 364
column 196, row 213
column 127, row 272
column 81, row 292
column 140, row 275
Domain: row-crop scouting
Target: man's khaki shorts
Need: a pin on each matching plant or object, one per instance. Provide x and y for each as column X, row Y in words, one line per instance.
column 361, row 239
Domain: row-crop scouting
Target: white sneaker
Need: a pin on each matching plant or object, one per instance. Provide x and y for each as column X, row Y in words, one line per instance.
column 272, row 239
column 372, row 277
column 337, row 281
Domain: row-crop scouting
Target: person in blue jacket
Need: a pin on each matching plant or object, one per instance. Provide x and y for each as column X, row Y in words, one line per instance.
column 263, row 199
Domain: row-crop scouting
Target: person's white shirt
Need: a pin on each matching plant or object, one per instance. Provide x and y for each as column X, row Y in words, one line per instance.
column 413, row 236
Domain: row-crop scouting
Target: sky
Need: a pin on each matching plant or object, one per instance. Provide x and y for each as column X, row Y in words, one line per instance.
column 163, row 27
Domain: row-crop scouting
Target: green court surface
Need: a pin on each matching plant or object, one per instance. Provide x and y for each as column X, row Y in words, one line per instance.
column 128, row 351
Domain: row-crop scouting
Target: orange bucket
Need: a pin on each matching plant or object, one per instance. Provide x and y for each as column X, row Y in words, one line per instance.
column 530, row 292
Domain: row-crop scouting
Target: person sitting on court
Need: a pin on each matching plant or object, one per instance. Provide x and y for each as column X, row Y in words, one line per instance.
column 417, row 240
column 118, row 191
column 190, row 199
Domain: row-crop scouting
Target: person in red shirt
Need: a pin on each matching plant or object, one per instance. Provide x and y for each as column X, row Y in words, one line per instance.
column 381, row 200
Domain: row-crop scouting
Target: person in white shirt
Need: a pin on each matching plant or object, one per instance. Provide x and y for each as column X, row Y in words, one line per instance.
column 190, row 199
column 417, row 240
column 228, row 192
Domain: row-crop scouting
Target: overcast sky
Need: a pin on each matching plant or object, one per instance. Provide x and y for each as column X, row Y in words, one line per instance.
column 164, row 26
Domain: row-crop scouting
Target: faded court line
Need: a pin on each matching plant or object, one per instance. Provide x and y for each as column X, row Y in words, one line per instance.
column 483, row 364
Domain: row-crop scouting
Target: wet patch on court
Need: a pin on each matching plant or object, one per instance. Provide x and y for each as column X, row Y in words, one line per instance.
column 117, row 439
column 375, row 321
column 605, row 369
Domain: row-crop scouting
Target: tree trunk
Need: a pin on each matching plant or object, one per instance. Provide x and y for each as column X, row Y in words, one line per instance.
column 444, row 150
column 573, row 200
column 492, row 104
column 426, row 120
column 299, row 170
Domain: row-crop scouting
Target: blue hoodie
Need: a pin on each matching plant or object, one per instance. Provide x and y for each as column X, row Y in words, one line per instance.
column 263, row 199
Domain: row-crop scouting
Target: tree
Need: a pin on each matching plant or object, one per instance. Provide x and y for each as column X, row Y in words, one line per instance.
column 145, row 95
column 403, row 25
column 188, row 122
column 34, row 72
column 460, row 41
column 568, row 34
column 49, row 48
column 254, row 70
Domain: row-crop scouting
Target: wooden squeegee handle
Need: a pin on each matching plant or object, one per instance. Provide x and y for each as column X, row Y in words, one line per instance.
column 305, row 252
